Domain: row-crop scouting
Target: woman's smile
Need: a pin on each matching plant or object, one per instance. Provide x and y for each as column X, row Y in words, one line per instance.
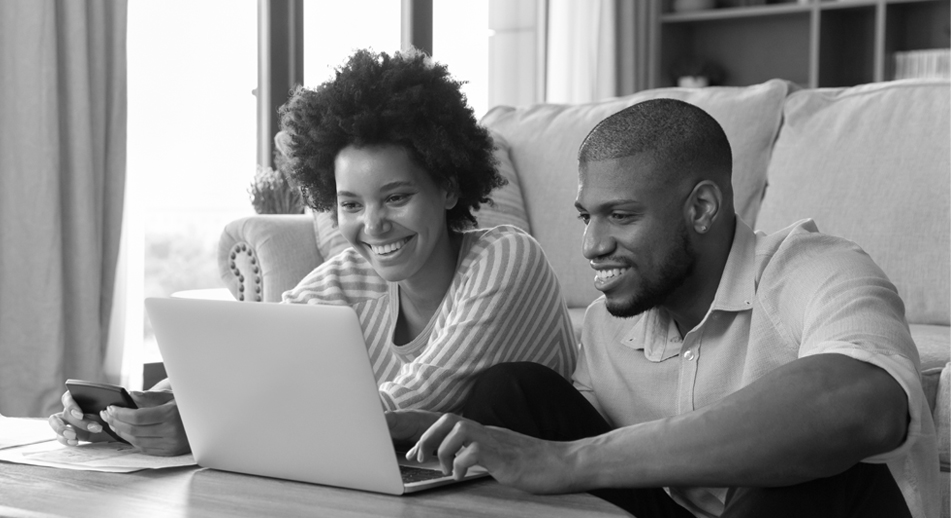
column 389, row 249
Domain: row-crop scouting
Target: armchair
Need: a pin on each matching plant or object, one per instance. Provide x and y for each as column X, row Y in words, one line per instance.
column 260, row 257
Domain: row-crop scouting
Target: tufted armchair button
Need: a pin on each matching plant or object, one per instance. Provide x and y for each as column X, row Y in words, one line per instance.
column 244, row 267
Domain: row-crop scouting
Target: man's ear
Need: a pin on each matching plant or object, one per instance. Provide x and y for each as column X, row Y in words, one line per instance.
column 702, row 208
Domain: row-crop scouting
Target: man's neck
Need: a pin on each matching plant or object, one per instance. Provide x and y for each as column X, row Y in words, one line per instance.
column 691, row 302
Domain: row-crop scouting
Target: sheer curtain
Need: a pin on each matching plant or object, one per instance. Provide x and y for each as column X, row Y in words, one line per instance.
column 596, row 49
column 62, row 174
column 581, row 50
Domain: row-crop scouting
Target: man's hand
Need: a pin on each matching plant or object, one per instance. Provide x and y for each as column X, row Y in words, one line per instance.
column 407, row 426
column 513, row 459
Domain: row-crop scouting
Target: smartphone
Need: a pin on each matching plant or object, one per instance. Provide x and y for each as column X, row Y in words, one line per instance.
column 93, row 398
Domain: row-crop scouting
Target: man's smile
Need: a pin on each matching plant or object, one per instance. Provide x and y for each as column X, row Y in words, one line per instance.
column 607, row 278
column 603, row 275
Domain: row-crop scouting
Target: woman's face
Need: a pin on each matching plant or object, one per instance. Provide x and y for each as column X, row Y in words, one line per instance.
column 391, row 211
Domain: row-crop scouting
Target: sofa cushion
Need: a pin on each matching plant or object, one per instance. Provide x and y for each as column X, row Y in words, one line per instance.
column 330, row 241
column 871, row 163
column 544, row 143
column 508, row 207
column 942, row 417
column 934, row 348
column 934, row 345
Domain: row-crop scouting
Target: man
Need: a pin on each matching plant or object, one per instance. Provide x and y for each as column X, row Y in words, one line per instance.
column 723, row 373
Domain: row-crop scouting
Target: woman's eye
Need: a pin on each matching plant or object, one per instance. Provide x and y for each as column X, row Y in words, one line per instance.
column 398, row 198
column 349, row 206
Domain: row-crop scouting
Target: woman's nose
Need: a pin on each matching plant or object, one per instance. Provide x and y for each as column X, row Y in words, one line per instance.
column 375, row 221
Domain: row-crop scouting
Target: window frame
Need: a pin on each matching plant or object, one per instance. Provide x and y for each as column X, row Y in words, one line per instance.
column 281, row 57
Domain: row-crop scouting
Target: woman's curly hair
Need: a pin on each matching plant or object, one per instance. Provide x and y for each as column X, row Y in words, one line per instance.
column 405, row 99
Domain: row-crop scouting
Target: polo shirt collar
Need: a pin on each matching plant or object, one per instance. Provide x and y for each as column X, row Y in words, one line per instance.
column 738, row 282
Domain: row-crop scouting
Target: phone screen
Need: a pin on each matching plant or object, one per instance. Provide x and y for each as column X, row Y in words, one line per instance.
column 93, row 398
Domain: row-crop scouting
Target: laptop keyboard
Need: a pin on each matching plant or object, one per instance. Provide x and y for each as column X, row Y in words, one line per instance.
column 411, row 474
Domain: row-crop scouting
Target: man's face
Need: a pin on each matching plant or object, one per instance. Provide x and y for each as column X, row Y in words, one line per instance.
column 635, row 235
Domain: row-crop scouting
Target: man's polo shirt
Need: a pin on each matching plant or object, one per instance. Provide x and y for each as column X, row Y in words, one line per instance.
column 782, row 296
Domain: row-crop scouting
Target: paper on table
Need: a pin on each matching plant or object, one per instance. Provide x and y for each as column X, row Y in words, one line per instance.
column 18, row 431
column 113, row 457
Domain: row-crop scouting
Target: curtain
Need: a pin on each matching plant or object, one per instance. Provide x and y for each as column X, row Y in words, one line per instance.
column 580, row 54
column 62, row 174
column 636, row 18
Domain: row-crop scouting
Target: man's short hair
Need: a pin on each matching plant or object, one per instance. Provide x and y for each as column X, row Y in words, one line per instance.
column 678, row 135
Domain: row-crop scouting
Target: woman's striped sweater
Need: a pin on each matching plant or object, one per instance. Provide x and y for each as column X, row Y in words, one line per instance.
column 504, row 305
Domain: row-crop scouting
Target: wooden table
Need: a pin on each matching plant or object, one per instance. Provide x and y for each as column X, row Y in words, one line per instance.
column 40, row 492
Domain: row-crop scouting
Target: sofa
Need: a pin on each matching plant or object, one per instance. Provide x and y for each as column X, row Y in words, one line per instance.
column 871, row 163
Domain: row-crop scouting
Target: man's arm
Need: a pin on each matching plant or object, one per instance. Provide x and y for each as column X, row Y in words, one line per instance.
column 811, row 418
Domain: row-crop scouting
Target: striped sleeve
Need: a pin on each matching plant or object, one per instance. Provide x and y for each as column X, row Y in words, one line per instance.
column 505, row 307
column 344, row 279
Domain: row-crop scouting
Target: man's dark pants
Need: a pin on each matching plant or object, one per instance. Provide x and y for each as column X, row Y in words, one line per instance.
column 534, row 400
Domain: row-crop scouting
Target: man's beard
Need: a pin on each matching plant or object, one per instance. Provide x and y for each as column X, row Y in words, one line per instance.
column 675, row 268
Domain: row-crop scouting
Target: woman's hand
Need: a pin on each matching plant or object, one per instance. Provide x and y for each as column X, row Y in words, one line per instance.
column 155, row 428
column 71, row 426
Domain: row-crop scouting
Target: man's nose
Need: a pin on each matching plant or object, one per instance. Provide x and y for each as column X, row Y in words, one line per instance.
column 597, row 240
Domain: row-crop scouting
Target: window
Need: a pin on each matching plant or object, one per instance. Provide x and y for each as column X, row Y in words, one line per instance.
column 461, row 42
column 460, row 39
column 333, row 30
column 192, row 69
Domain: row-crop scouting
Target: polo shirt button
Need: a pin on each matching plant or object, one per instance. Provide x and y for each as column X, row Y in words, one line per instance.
column 690, row 355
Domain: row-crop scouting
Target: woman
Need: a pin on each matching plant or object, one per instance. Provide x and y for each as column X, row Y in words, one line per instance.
column 390, row 147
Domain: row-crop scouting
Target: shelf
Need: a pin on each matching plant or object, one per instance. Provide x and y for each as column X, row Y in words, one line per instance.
column 735, row 12
column 847, row 4
column 816, row 44
column 846, row 50
column 891, row 2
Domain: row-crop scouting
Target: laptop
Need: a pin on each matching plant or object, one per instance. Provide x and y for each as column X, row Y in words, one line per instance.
column 283, row 391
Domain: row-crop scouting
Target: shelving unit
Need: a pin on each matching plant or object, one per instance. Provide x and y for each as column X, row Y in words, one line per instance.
column 814, row 44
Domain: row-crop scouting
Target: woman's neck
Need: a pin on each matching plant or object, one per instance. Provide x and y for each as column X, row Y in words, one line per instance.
column 422, row 294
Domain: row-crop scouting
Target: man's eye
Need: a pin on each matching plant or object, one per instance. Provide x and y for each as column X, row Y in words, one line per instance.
column 621, row 217
column 585, row 218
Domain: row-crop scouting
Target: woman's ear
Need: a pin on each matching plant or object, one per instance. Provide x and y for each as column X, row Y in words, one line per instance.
column 452, row 198
column 451, row 191
column 703, row 206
